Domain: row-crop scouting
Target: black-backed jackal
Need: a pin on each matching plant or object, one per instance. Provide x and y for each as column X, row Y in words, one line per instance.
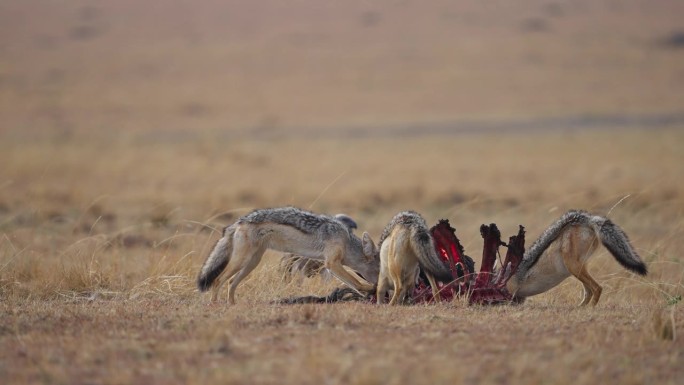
column 405, row 245
column 289, row 230
column 563, row 250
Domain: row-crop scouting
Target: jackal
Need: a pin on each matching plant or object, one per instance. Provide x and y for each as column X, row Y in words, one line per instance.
column 570, row 241
column 405, row 245
column 289, row 230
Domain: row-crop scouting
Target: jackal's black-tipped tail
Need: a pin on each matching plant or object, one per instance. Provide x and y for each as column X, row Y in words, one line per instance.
column 611, row 235
column 615, row 240
column 216, row 261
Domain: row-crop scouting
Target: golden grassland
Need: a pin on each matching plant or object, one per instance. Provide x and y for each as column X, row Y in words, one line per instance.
column 131, row 132
column 101, row 243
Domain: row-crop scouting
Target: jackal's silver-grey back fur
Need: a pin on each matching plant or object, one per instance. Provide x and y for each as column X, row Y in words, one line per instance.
column 321, row 227
column 305, row 221
column 611, row 236
column 424, row 245
column 292, row 264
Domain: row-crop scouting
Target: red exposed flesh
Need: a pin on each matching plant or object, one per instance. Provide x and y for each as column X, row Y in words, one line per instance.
column 449, row 248
column 485, row 289
column 485, row 292
column 492, row 240
column 514, row 255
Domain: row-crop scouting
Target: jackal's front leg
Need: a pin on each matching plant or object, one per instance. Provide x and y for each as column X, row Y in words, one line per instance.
column 333, row 262
column 433, row 285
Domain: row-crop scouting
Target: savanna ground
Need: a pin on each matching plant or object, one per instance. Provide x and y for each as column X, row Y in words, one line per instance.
column 132, row 133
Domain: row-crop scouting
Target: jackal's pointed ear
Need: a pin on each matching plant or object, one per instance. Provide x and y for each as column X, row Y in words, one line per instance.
column 369, row 249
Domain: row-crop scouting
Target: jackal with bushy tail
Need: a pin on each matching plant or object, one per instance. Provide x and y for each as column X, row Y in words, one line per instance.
column 405, row 246
column 563, row 250
column 290, row 230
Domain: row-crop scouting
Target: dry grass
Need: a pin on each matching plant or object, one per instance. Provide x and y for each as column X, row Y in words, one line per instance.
column 109, row 202
column 97, row 263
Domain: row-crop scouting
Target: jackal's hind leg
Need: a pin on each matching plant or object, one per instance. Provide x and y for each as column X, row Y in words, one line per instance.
column 245, row 255
column 220, row 281
column 575, row 250
column 381, row 292
column 226, row 275
column 587, row 294
column 592, row 290
column 596, row 289
column 251, row 262
column 399, row 293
